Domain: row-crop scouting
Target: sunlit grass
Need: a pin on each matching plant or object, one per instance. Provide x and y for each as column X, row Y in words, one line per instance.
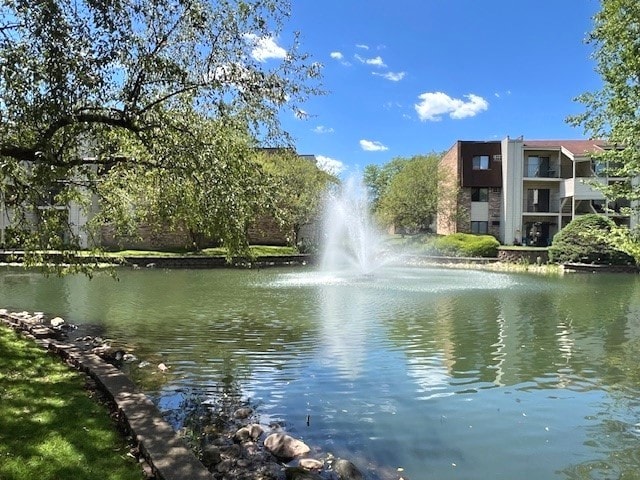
column 49, row 426
column 256, row 251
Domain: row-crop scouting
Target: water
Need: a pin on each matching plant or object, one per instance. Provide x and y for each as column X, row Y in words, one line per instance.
column 352, row 243
column 447, row 374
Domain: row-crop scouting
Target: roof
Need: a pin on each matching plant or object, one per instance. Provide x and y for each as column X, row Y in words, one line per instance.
column 576, row 147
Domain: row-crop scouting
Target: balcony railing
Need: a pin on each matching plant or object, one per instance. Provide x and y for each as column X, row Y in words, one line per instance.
column 550, row 206
column 581, row 188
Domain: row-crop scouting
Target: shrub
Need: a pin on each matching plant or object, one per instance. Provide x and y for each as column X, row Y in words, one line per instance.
column 467, row 245
column 586, row 240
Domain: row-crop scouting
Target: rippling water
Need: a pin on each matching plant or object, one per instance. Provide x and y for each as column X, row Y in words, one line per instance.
column 447, row 374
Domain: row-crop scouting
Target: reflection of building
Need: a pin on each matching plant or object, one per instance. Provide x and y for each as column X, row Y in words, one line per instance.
column 524, row 191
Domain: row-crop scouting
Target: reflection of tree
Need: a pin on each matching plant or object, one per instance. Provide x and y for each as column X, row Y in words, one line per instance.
column 622, row 455
column 519, row 335
column 203, row 315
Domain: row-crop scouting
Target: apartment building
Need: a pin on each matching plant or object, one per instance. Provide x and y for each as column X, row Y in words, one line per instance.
column 524, row 191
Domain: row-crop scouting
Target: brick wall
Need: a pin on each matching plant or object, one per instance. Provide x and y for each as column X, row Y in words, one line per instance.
column 495, row 205
column 148, row 239
column 264, row 231
column 447, row 220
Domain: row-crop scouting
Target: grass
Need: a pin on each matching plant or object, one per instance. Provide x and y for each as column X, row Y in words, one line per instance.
column 50, row 428
column 256, row 251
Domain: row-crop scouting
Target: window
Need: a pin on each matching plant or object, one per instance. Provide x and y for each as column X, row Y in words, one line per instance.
column 481, row 162
column 479, row 227
column 479, row 194
column 599, row 168
column 538, row 200
column 538, row 167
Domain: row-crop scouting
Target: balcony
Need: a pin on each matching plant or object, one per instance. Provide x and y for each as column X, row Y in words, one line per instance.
column 580, row 188
column 540, row 167
column 552, row 208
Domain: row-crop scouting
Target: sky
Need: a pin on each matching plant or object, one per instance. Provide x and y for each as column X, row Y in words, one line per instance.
column 411, row 77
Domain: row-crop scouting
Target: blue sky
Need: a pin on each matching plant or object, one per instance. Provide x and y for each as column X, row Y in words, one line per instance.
column 413, row 76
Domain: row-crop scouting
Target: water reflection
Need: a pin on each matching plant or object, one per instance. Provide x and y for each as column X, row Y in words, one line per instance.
column 419, row 369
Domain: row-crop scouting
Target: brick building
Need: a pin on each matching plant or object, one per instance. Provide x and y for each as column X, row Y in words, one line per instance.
column 523, row 191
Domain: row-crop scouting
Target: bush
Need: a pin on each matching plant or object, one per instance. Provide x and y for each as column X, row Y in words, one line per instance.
column 586, row 240
column 467, row 245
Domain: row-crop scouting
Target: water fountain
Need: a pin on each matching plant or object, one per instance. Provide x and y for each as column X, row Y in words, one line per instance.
column 352, row 243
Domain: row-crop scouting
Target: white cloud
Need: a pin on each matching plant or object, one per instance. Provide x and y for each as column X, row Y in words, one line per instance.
column 330, row 165
column 372, row 146
column 265, row 48
column 433, row 105
column 362, row 46
column 339, row 57
column 376, row 61
column 391, row 76
column 323, row 129
column 391, row 105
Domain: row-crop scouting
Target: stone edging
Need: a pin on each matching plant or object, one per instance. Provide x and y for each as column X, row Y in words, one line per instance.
column 166, row 453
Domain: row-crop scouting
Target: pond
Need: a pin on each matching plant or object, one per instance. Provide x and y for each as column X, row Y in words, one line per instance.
column 443, row 374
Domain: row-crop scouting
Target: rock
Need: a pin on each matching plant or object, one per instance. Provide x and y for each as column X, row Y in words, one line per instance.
column 104, row 351
column 311, row 464
column 162, row 367
column 211, row 455
column 346, row 470
column 285, row 447
column 251, row 448
column 298, row 473
column 242, row 435
column 224, row 466
column 232, row 451
column 129, row 357
column 242, row 413
column 56, row 322
column 255, row 431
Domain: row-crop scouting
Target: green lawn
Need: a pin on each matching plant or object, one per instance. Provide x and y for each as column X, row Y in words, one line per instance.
column 50, row 428
column 256, row 251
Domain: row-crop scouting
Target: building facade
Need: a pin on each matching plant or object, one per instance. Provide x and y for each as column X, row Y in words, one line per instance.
column 524, row 191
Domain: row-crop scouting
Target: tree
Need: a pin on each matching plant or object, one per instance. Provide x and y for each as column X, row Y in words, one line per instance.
column 210, row 196
column 377, row 179
column 613, row 113
column 141, row 96
column 410, row 201
column 298, row 188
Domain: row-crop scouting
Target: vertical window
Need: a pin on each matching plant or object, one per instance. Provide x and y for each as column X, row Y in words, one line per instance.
column 479, row 227
column 538, row 167
column 480, row 162
column 538, row 200
column 479, row 194
column 599, row 168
